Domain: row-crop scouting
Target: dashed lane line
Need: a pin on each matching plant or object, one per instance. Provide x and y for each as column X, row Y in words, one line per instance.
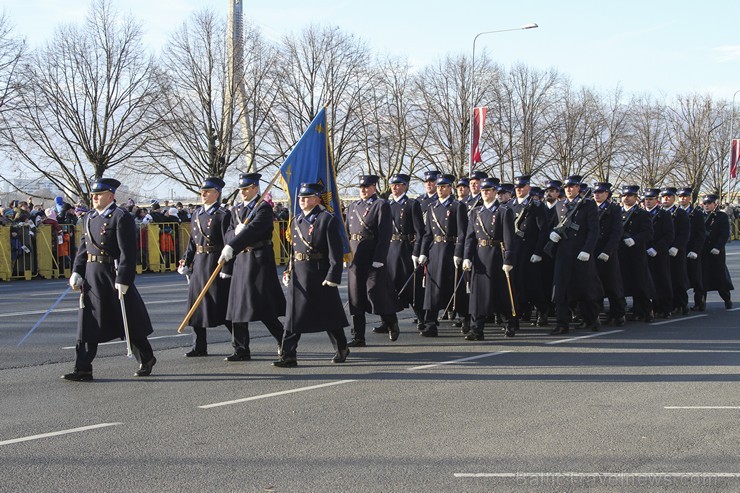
column 58, row 433
column 275, row 394
column 678, row 320
column 571, row 339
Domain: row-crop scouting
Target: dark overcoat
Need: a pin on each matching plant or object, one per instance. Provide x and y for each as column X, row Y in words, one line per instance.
column 444, row 222
column 714, row 267
column 636, row 277
column 531, row 235
column 317, row 257
column 370, row 228
column 419, row 281
column 682, row 232
column 110, row 236
column 660, row 265
column 547, row 266
column 575, row 280
column 255, row 292
column 610, row 236
column 207, row 239
column 696, row 244
column 408, row 228
column 489, row 244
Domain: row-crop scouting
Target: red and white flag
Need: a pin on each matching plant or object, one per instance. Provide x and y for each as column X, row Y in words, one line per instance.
column 734, row 157
column 479, row 119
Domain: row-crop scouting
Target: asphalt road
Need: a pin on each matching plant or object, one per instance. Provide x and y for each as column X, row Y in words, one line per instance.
column 645, row 407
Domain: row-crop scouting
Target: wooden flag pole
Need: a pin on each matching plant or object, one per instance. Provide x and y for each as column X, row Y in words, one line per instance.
column 221, row 263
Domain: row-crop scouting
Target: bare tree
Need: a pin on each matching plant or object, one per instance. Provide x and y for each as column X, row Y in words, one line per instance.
column 648, row 153
column 322, row 66
column 86, row 102
column 12, row 51
column 609, row 136
column 694, row 123
column 201, row 117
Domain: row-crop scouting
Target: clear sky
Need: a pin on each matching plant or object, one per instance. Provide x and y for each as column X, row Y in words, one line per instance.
column 648, row 46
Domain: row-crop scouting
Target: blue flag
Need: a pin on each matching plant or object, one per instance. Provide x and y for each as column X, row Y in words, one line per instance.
column 311, row 161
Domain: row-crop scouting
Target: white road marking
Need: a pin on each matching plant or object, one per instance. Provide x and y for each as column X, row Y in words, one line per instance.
column 124, row 342
column 275, row 394
column 452, row 362
column 76, row 308
column 544, row 476
column 677, row 320
column 598, row 334
column 57, row 433
column 733, row 309
column 701, row 407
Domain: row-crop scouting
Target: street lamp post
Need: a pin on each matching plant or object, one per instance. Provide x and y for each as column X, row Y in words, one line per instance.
column 531, row 25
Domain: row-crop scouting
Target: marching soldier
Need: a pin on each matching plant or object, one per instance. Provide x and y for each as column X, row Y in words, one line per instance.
column 530, row 225
column 694, row 247
column 713, row 259
column 445, row 220
column 658, row 256
column 638, row 233
column 463, row 189
column 104, row 270
column 677, row 251
column 371, row 290
column 474, row 199
column 255, row 292
column 208, row 226
column 607, row 260
column 403, row 252
column 575, row 277
column 489, row 256
column 430, row 186
column 552, row 192
column 504, row 193
column 313, row 276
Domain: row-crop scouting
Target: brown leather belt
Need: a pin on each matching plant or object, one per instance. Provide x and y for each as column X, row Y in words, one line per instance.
column 305, row 257
column 258, row 245
column 444, row 239
column 100, row 259
column 488, row 243
column 360, row 237
column 408, row 238
column 205, row 249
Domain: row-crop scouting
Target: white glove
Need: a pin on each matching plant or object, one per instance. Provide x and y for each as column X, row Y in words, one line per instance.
column 714, row 251
column 629, row 242
column 239, row 228
column 604, row 257
column 414, row 260
column 652, row 252
column 122, row 288
column 25, row 249
column 507, row 268
column 223, row 275
column 330, row 284
column 584, row 256
column 226, row 254
column 378, row 265
column 534, row 259
column 182, row 269
column 76, row 281
column 554, row 237
column 457, row 260
column 467, row 265
column 692, row 256
column 345, row 264
column 422, row 259
column 673, row 251
column 286, row 278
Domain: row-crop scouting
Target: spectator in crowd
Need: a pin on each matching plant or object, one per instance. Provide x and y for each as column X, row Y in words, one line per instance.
column 182, row 213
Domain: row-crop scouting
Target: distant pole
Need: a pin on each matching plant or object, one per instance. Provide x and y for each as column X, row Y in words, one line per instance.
column 472, row 86
column 236, row 90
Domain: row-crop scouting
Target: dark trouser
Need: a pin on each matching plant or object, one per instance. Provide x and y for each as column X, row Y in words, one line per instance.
column 86, row 352
column 641, row 306
column 200, row 337
column 680, row 299
column 662, row 305
column 700, row 297
column 478, row 324
column 358, row 324
column 240, row 333
column 589, row 312
column 290, row 342
column 616, row 308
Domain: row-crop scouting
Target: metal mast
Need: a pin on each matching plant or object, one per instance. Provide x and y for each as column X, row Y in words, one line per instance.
column 236, row 94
